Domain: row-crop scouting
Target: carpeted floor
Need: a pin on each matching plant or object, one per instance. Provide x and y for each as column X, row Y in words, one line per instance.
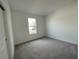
column 46, row 48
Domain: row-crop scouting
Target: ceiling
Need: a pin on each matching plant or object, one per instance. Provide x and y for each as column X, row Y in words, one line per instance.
column 38, row 7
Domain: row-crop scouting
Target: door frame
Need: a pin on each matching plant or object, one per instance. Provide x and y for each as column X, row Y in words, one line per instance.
column 8, row 29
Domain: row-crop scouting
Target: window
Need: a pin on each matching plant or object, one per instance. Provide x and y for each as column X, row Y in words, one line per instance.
column 32, row 25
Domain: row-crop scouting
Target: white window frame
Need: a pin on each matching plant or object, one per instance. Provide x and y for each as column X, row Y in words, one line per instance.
column 32, row 28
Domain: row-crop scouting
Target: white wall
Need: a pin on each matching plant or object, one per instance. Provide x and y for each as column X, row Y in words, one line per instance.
column 20, row 26
column 62, row 24
column 8, row 29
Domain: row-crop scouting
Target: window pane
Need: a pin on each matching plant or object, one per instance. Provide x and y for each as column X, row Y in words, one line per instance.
column 32, row 25
column 32, row 21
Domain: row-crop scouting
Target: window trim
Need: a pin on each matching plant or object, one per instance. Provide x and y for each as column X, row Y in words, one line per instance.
column 32, row 26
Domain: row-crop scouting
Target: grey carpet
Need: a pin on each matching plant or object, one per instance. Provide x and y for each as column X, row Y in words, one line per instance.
column 46, row 48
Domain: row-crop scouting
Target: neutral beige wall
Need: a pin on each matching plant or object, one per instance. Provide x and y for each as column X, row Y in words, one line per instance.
column 20, row 26
column 62, row 24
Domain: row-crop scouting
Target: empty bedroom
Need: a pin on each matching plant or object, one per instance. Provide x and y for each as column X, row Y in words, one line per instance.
column 45, row 29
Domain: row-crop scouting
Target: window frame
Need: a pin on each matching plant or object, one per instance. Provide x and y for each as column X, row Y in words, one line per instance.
column 31, row 26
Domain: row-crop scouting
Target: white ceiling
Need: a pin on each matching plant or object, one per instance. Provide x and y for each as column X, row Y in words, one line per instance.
column 39, row 7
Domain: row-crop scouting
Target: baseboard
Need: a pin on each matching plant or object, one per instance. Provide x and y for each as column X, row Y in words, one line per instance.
column 62, row 41
column 29, row 41
column 41, row 38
